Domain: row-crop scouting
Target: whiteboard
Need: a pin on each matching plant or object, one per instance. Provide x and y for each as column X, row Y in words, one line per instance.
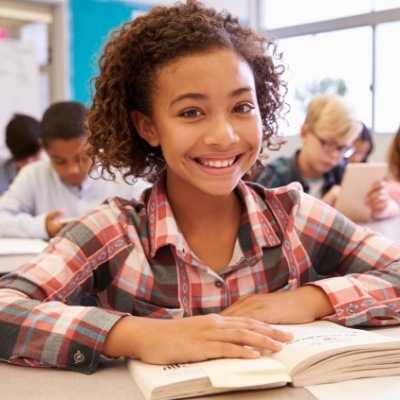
column 19, row 83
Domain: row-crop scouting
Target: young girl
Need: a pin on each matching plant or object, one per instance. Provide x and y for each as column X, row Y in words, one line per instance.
column 200, row 266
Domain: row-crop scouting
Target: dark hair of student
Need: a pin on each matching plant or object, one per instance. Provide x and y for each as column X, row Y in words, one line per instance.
column 366, row 136
column 63, row 120
column 22, row 136
column 128, row 72
column 394, row 156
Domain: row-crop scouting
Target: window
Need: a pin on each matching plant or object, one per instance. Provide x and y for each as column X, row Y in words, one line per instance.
column 387, row 82
column 343, row 46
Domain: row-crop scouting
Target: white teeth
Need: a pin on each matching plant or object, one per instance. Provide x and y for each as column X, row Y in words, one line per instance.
column 217, row 163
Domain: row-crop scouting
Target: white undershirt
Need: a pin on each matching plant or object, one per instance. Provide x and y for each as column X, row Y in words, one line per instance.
column 315, row 187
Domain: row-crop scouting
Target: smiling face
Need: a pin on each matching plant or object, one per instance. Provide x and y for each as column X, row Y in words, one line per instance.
column 206, row 120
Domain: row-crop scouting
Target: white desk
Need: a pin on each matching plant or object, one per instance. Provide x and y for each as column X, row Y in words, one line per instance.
column 387, row 227
column 10, row 262
column 15, row 252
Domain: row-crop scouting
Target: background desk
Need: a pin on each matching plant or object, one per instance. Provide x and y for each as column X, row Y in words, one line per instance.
column 387, row 227
column 15, row 252
column 112, row 381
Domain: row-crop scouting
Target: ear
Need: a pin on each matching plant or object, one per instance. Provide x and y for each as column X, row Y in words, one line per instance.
column 304, row 131
column 145, row 128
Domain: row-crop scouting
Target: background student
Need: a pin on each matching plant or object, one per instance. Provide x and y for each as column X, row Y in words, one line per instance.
column 59, row 187
column 327, row 134
column 188, row 94
column 363, row 146
column 22, row 140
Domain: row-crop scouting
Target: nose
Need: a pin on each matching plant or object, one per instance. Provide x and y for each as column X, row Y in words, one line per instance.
column 74, row 169
column 220, row 132
column 336, row 154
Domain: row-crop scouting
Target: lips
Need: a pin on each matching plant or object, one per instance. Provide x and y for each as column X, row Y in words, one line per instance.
column 216, row 163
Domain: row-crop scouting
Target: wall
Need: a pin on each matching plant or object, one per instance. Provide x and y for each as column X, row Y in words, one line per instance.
column 87, row 36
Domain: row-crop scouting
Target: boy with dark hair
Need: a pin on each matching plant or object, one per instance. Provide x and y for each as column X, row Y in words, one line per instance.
column 22, row 140
column 65, row 185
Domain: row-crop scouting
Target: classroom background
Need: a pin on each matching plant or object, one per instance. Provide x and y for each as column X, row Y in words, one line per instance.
column 49, row 50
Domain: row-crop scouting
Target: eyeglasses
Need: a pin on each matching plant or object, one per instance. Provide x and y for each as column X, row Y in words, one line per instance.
column 345, row 150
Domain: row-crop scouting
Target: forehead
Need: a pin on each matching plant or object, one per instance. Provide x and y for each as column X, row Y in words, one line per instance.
column 218, row 68
column 65, row 148
column 331, row 136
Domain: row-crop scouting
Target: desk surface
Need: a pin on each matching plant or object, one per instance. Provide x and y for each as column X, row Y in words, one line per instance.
column 112, row 381
column 387, row 227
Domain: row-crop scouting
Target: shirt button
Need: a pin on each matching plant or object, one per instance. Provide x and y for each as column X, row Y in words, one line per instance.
column 218, row 284
column 351, row 310
column 79, row 357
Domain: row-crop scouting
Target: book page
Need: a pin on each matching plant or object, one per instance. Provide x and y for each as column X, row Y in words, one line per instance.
column 318, row 339
column 15, row 246
column 243, row 373
column 382, row 388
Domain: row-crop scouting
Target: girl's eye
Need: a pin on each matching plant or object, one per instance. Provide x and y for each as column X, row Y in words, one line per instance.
column 190, row 113
column 59, row 162
column 243, row 108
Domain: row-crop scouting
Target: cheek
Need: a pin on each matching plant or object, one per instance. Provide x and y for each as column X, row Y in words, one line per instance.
column 86, row 166
column 60, row 169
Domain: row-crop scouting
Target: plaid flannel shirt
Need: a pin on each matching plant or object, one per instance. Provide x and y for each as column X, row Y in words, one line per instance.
column 132, row 258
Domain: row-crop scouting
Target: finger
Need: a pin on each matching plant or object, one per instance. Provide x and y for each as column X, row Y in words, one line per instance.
column 229, row 350
column 256, row 326
column 247, row 338
column 55, row 214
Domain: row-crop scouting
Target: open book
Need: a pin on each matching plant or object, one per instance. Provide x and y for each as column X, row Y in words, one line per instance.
column 321, row 352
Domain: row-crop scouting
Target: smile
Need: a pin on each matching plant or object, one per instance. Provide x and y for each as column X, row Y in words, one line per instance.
column 216, row 163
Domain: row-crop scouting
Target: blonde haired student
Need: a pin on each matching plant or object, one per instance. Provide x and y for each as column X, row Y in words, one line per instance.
column 327, row 135
column 202, row 264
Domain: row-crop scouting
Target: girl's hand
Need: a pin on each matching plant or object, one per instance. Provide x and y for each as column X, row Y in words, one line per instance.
column 297, row 306
column 382, row 206
column 191, row 339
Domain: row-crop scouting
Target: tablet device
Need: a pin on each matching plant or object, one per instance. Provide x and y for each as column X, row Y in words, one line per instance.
column 356, row 183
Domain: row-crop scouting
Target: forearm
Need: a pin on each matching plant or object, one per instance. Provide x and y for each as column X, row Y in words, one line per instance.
column 363, row 299
column 120, row 341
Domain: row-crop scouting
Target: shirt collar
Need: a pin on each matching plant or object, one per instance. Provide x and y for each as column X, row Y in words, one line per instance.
column 259, row 227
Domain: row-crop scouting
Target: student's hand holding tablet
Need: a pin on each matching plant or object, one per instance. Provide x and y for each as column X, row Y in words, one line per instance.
column 362, row 194
column 382, row 206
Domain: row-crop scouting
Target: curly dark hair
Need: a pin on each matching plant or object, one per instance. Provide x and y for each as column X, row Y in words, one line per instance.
column 128, row 71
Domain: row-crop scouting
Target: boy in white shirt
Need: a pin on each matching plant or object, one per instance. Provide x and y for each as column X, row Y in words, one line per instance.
column 48, row 192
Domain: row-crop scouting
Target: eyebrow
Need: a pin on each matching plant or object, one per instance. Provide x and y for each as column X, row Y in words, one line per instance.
column 200, row 96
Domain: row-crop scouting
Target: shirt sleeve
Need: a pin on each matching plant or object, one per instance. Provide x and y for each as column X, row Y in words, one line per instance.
column 17, row 217
column 41, row 321
column 358, row 269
